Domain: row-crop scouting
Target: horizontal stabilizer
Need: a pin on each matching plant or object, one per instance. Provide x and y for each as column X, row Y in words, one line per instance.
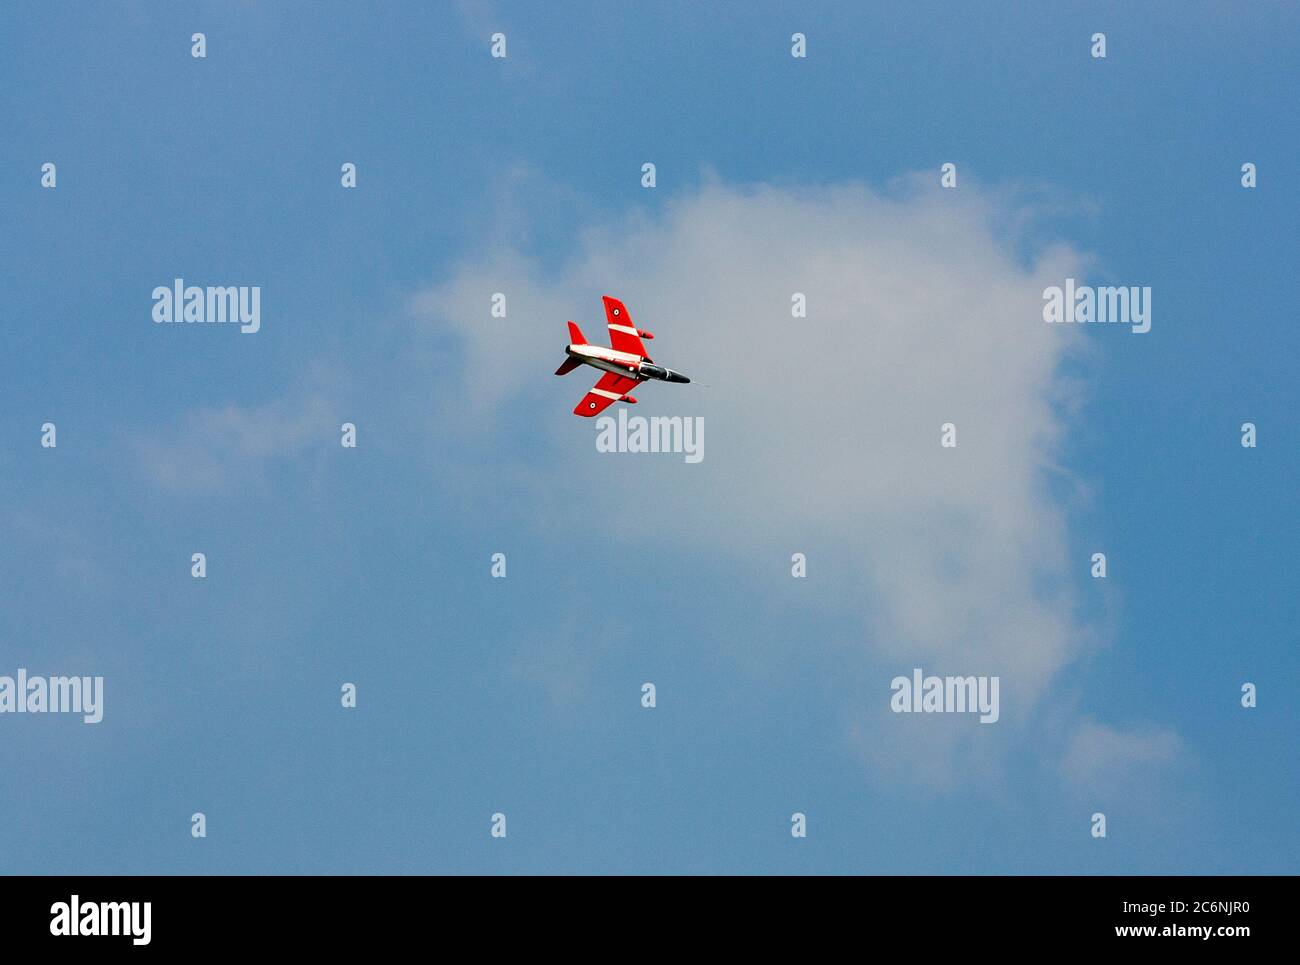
column 568, row 366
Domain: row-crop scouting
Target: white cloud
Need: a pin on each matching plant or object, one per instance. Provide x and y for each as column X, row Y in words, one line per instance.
column 823, row 433
column 1098, row 755
column 212, row 447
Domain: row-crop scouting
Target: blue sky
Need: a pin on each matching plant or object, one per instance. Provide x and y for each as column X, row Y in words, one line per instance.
column 523, row 695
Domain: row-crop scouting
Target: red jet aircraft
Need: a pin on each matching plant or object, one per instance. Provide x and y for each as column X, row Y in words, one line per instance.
column 625, row 363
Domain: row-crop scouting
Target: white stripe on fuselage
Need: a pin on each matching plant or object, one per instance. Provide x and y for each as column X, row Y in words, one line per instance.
column 608, row 360
column 600, row 352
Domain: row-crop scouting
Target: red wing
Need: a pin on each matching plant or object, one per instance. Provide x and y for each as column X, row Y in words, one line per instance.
column 609, row 389
column 622, row 330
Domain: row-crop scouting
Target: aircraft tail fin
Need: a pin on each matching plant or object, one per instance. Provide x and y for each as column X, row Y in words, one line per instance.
column 575, row 334
column 568, row 366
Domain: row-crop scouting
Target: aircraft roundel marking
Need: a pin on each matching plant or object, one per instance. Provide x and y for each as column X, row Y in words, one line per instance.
column 591, row 405
column 616, row 311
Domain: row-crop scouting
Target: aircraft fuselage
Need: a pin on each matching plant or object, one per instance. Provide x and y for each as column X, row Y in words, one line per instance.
column 622, row 363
